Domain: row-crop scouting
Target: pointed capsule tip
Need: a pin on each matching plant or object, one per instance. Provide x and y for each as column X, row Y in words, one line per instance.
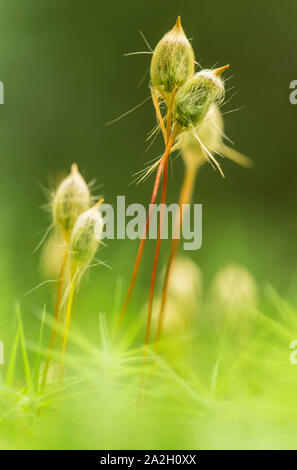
column 218, row 72
column 74, row 168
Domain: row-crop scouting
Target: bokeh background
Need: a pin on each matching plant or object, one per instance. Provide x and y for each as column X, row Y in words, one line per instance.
column 65, row 76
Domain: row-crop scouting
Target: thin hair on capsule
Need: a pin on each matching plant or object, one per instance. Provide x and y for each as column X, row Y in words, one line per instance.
column 228, row 100
column 48, row 206
column 220, row 130
column 211, row 158
column 146, row 41
column 153, row 132
column 150, row 51
column 129, row 111
column 43, row 238
column 193, row 98
column 127, row 54
column 141, row 81
column 234, row 110
column 144, row 173
column 150, row 169
column 218, row 147
column 77, row 275
column 147, row 165
column 153, row 140
column 100, row 263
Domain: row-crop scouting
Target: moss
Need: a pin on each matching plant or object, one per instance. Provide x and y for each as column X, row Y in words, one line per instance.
column 195, row 97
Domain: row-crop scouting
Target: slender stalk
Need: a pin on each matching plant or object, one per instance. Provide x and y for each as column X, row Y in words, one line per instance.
column 169, row 141
column 56, row 317
column 143, row 240
column 67, row 323
column 156, row 258
column 169, row 114
column 159, row 239
column 185, row 197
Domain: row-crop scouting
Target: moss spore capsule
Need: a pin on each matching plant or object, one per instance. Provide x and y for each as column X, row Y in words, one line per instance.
column 85, row 237
column 71, row 199
column 173, row 61
column 194, row 98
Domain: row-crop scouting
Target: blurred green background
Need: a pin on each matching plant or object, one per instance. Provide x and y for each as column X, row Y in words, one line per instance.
column 65, row 76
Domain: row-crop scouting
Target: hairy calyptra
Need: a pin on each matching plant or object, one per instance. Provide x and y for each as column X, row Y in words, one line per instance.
column 71, row 199
column 194, row 98
column 173, row 61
